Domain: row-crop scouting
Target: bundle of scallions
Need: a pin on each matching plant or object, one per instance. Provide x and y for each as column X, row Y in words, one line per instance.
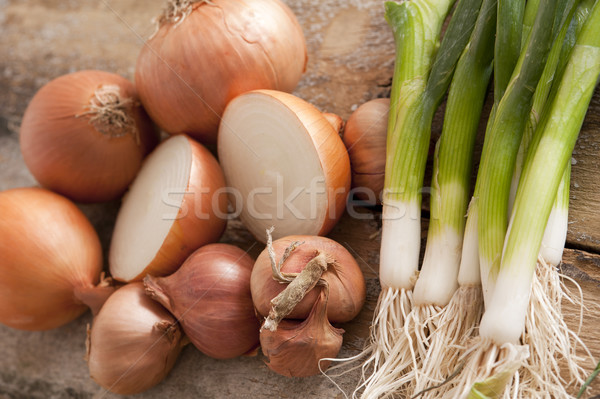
column 481, row 317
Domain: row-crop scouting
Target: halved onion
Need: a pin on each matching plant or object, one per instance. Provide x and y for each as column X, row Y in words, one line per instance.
column 286, row 163
column 174, row 206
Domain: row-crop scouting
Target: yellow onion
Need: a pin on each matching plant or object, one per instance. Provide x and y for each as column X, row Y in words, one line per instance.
column 176, row 204
column 347, row 290
column 50, row 260
column 210, row 296
column 205, row 53
column 365, row 137
column 286, row 162
column 84, row 135
column 133, row 342
column 295, row 348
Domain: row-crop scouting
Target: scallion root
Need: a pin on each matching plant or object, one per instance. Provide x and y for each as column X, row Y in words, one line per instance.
column 554, row 367
column 381, row 375
column 488, row 368
column 454, row 329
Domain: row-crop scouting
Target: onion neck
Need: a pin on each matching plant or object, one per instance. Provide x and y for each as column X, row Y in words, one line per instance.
column 154, row 289
column 177, row 11
column 95, row 296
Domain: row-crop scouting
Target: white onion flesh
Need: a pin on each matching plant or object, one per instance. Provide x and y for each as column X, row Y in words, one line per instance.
column 273, row 162
column 159, row 221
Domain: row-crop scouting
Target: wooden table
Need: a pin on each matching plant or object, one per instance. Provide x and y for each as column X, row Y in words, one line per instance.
column 351, row 55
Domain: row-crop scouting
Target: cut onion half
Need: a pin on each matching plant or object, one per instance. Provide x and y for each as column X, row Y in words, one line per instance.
column 285, row 163
column 175, row 205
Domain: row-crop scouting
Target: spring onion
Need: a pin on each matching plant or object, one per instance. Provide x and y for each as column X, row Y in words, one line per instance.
column 547, row 159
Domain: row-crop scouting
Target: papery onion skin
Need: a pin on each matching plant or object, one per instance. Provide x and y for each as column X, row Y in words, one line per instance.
column 48, row 250
column 296, row 348
column 133, row 342
column 188, row 72
column 210, row 296
column 365, row 137
column 346, row 282
column 66, row 151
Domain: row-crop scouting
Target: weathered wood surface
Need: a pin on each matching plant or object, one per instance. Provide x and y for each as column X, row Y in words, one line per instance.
column 350, row 61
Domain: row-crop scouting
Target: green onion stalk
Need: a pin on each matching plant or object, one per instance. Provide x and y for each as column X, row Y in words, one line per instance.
column 548, row 156
column 546, row 332
column 503, row 136
column 439, row 309
column 422, row 75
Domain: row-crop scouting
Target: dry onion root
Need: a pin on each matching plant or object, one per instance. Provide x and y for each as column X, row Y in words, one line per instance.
column 286, row 162
column 210, row 296
column 174, row 206
column 133, row 342
column 51, row 261
column 205, row 53
column 84, row 135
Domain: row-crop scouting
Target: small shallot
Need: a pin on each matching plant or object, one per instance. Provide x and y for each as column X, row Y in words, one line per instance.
column 210, row 296
column 133, row 342
column 301, row 348
column 346, row 282
column 365, row 136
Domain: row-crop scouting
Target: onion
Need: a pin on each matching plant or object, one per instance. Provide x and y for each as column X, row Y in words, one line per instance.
column 133, row 342
column 286, row 161
column 50, row 260
column 346, row 282
column 207, row 52
column 84, row 135
column 210, row 296
column 296, row 348
column 173, row 207
column 365, row 137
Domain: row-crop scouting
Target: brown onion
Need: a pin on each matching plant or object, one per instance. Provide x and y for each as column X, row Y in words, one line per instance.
column 346, row 281
column 210, row 296
column 84, row 135
column 133, row 342
column 287, row 162
column 50, row 260
column 365, row 137
column 207, row 52
column 296, row 348
column 175, row 205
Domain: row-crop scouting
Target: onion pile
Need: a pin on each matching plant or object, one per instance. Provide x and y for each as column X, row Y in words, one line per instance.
column 133, row 342
column 286, row 162
column 210, row 296
column 85, row 134
column 174, row 206
column 205, row 53
column 324, row 284
column 50, row 260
